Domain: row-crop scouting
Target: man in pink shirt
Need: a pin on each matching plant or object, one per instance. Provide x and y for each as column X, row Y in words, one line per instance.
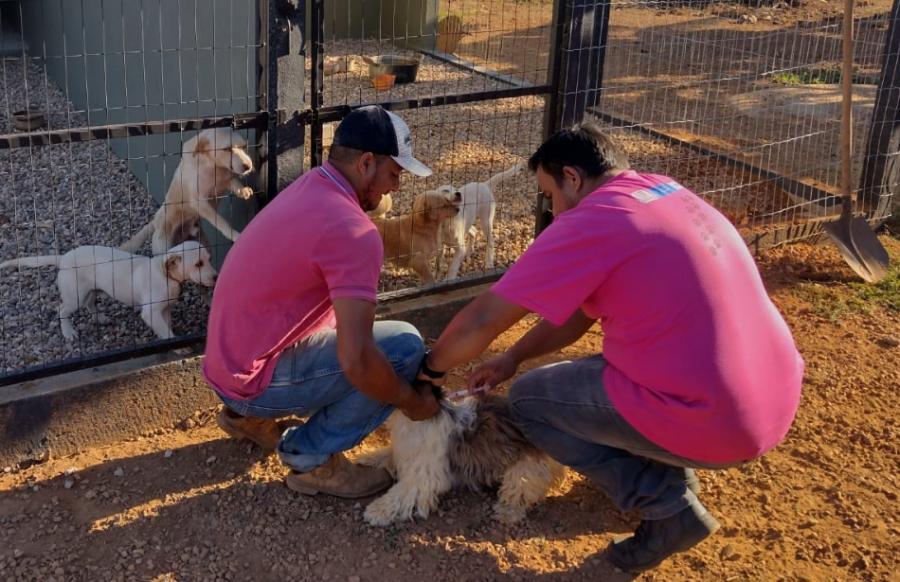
column 698, row 367
column 292, row 326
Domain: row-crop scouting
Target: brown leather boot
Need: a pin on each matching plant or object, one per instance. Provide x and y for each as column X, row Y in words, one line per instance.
column 340, row 478
column 262, row 431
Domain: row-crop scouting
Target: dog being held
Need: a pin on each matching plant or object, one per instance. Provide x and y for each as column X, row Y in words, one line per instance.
column 211, row 163
column 412, row 240
column 150, row 284
column 474, row 444
column 478, row 208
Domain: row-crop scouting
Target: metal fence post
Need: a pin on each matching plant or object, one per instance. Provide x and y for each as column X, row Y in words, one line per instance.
column 881, row 171
column 577, row 51
column 316, row 78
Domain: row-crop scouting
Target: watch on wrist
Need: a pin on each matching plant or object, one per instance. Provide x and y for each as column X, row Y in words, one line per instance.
column 433, row 374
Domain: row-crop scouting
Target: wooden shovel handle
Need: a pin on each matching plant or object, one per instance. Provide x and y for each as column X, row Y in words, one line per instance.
column 847, row 103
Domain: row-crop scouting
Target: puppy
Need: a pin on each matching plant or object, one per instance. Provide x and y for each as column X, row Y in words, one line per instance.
column 211, row 162
column 471, row 444
column 411, row 240
column 151, row 284
column 478, row 207
column 385, row 206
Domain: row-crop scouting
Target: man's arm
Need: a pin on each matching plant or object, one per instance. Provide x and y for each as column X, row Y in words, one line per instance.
column 367, row 368
column 545, row 338
column 473, row 329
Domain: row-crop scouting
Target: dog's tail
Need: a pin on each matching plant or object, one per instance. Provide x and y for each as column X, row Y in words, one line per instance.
column 35, row 261
column 497, row 178
column 135, row 242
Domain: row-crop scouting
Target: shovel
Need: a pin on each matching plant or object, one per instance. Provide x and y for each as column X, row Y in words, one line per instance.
column 852, row 235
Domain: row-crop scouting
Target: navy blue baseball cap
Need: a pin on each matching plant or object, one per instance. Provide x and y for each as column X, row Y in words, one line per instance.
column 374, row 129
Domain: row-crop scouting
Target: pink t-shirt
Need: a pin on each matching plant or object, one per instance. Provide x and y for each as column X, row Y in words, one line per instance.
column 700, row 360
column 310, row 245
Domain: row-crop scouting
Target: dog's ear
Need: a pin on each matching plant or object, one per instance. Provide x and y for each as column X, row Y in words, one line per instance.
column 433, row 205
column 203, row 147
column 172, row 262
column 420, row 207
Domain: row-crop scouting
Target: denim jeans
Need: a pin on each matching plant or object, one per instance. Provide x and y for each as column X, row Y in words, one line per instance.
column 564, row 410
column 309, row 381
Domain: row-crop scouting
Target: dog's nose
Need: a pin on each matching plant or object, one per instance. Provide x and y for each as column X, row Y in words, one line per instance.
column 214, row 279
column 458, row 195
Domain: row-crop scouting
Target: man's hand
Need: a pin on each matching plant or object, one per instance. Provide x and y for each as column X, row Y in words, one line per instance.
column 493, row 372
column 421, row 403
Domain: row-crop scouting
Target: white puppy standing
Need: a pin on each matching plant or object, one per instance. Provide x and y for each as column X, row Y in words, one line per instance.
column 478, row 207
column 151, row 284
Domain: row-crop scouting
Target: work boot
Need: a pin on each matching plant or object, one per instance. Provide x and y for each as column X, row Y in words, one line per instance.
column 340, row 478
column 262, row 431
column 657, row 539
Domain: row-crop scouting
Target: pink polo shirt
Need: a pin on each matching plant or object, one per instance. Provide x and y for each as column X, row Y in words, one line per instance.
column 700, row 360
column 310, row 245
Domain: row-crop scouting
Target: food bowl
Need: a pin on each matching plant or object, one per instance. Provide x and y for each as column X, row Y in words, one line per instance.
column 404, row 69
column 383, row 82
column 28, row 119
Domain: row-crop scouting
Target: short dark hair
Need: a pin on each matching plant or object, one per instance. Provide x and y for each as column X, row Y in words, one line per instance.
column 338, row 154
column 584, row 146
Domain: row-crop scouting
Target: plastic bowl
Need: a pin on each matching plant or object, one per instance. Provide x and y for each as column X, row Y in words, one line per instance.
column 383, row 82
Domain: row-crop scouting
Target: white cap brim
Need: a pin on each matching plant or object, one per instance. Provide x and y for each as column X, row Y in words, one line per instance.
column 413, row 166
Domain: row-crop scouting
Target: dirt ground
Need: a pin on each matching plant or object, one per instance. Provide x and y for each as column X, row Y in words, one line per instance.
column 187, row 503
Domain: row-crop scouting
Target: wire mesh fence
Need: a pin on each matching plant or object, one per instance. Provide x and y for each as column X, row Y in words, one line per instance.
column 737, row 100
column 98, row 99
column 741, row 101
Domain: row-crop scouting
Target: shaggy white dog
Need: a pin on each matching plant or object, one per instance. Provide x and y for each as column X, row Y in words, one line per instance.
column 474, row 444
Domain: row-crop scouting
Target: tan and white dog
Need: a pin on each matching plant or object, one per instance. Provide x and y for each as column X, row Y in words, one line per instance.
column 478, row 208
column 150, row 284
column 210, row 165
column 474, row 444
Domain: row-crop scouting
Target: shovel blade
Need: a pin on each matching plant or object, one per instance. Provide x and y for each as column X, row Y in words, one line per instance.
column 860, row 248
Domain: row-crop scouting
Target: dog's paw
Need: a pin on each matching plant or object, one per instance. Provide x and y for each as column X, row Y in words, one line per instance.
column 70, row 334
column 381, row 512
column 245, row 193
column 508, row 513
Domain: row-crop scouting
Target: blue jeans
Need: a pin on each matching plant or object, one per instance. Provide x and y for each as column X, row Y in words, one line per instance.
column 309, row 381
column 564, row 410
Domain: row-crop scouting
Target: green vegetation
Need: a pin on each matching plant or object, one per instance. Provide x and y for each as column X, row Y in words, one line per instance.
column 808, row 77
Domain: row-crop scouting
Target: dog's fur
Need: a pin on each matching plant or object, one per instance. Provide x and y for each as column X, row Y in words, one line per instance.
column 411, row 240
column 211, row 162
column 472, row 444
column 478, row 207
column 151, row 284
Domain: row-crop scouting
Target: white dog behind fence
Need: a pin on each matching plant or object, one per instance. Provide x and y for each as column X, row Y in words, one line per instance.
column 210, row 165
column 478, row 208
column 150, row 284
column 472, row 444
